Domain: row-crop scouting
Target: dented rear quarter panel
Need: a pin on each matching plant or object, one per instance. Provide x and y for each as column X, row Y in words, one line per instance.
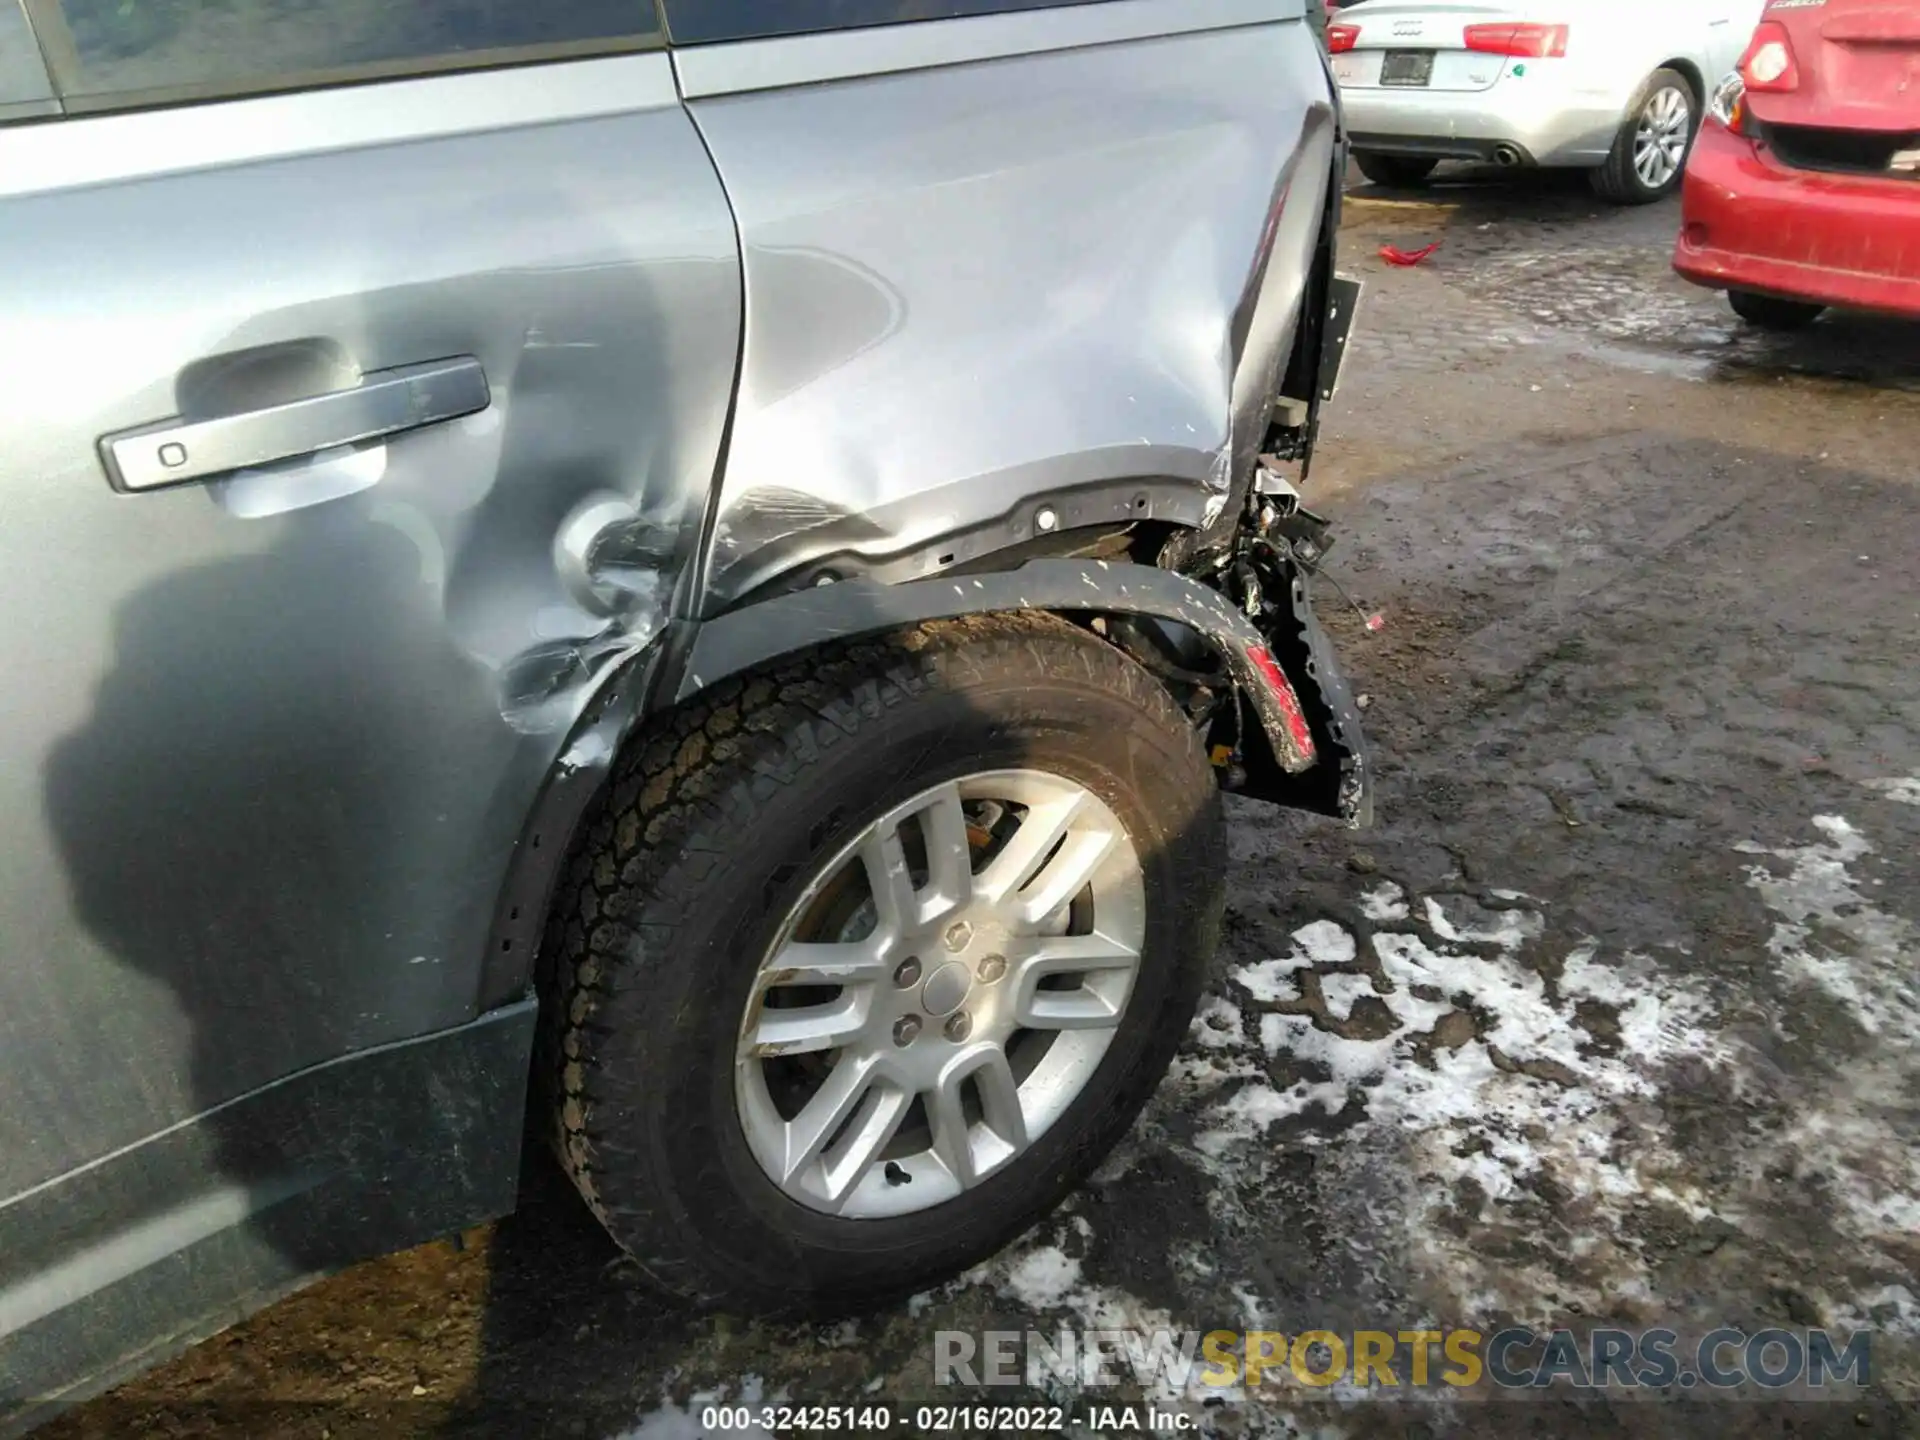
column 974, row 290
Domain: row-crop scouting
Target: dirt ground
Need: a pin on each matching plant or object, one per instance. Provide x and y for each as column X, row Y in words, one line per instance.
column 1613, row 1018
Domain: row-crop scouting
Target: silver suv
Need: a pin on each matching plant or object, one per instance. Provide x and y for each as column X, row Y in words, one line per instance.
column 709, row 565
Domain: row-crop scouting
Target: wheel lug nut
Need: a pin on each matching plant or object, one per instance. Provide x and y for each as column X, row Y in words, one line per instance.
column 959, row 1027
column 906, row 972
column 992, row 968
column 905, row 1029
column 958, row 934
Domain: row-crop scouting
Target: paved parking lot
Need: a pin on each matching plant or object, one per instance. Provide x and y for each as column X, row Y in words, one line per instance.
column 1613, row 1019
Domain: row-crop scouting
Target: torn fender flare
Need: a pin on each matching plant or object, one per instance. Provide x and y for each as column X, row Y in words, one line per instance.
column 1313, row 756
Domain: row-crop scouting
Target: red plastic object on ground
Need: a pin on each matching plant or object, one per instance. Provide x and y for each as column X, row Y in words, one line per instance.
column 1394, row 255
column 1804, row 183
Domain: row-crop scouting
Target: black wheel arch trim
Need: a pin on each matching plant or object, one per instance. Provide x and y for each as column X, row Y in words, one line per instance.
column 1328, row 775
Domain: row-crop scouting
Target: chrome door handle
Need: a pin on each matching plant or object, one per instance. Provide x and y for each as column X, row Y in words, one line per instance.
column 387, row 402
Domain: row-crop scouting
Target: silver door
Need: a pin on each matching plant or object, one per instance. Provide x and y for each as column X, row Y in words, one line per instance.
column 294, row 634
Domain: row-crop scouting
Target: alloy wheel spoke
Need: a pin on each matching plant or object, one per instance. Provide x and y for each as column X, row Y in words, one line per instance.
column 1039, row 832
column 858, row 1110
column 1106, row 968
column 1064, row 875
column 952, row 1139
column 860, row 1147
column 1000, row 1100
column 806, row 1029
column 885, row 860
column 1001, row 1118
column 808, row 962
column 943, row 825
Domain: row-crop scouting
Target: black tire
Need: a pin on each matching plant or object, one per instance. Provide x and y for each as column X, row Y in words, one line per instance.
column 1396, row 172
column 1772, row 314
column 706, row 838
column 1617, row 181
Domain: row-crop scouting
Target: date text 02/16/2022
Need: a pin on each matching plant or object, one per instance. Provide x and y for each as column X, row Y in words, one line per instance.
column 754, row 1420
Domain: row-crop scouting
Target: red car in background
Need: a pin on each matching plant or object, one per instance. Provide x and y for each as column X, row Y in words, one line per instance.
column 1803, row 189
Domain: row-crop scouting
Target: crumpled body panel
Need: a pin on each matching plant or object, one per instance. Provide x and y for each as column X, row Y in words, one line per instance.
column 977, row 288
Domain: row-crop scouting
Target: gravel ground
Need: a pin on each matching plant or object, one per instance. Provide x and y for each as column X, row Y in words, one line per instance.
column 1612, row 1019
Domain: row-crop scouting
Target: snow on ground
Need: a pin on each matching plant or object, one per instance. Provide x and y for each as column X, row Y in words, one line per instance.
column 1476, row 1063
column 1474, row 1071
column 1907, row 790
column 1855, row 1130
column 685, row 1422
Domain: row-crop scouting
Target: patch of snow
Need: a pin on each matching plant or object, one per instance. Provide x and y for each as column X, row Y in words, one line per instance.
column 1341, row 989
column 1510, row 928
column 1892, row 1310
column 1320, row 943
column 1862, row 956
column 1906, row 791
column 1325, row 943
column 682, row 1422
column 1249, row 1111
column 1217, row 1025
column 1511, row 1091
column 1043, row 1278
column 1210, row 1071
column 1857, row 1128
column 1270, row 981
column 1385, row 903
column 1253, row 1310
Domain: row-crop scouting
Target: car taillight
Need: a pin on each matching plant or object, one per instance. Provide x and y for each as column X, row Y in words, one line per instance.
column 1531, row 41
column 1342, row 38
column 1769, row 64
column 1729, row 104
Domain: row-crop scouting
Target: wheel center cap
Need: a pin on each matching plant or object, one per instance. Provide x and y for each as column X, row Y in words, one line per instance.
column 946, row 989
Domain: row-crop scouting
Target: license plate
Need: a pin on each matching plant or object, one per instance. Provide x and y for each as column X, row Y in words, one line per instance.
column 1407, row 67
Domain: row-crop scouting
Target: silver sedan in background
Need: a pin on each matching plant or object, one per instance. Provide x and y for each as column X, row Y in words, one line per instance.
column 1615, row 87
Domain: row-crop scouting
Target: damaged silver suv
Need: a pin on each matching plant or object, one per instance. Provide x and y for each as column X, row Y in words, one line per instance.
column 709, row 564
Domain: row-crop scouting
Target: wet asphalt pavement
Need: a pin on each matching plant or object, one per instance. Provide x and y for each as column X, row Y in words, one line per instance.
column 1612, row 1020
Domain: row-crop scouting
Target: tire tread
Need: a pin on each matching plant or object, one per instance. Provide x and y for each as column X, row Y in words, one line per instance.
column 674, row 809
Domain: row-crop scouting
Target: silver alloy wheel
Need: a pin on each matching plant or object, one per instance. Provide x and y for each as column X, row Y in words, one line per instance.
column 1660, row 142
column 941, row 994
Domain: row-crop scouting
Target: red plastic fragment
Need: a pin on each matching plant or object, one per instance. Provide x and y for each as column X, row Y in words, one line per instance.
column 1394, row 255
column 1282, row 691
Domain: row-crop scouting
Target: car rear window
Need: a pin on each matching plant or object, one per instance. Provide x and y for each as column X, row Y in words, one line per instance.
column 164, row 48
column 696, row 22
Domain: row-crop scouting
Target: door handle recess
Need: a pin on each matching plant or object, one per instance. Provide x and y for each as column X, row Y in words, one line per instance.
column 386, row 402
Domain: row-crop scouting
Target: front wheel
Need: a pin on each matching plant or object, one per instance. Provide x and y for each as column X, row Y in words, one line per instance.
column 1396, row 172
column 864, row 965
column 1650, row 150
column 1772, row 314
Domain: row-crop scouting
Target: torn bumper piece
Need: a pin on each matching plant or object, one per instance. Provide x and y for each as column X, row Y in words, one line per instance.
column 1339, row 782
column 1305, row 751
